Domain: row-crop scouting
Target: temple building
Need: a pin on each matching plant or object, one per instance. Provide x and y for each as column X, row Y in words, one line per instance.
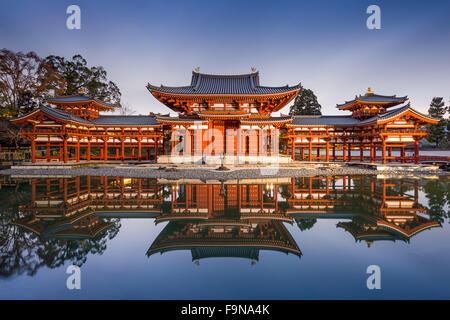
column 225, row 119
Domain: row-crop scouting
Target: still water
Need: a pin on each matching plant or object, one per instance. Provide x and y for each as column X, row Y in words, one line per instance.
column 283, row 238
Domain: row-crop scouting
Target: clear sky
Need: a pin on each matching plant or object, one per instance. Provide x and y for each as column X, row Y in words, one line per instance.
column 325, row 45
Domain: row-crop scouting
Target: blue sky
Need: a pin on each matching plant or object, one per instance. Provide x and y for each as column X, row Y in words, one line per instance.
column 325, row 45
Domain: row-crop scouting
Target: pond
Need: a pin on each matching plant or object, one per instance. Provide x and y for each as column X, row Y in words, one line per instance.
column 279, row 238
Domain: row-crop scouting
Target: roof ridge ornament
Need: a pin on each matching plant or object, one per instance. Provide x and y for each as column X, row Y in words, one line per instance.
column 82, row 91
column 369, row 91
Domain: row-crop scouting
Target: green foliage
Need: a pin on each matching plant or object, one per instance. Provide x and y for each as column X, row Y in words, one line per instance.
column 437, row 108
column 305, row 103
column 438, row 194
column 438, row 132
column 93, row 79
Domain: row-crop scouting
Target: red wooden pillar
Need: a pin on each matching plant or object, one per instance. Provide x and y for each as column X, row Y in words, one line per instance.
column 334, row 152
column 47, row 151
column 361, row 152
column 327, row 151
column 389, row 154
column 88, row 152
column 402, row 154
column 371, row 152
column 105, row 151
column 77, row 150
column 310, row 150
column 139, row 149
column 383, row 152
column 33, row 150
column 416, row 151
column 293, row 149
column 122, row 149
column 65, row 155
column 349, row 147
column 156, row 149
column 344, row 155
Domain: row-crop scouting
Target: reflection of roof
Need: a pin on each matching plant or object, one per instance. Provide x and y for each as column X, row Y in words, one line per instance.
column 224, row 252
column 174, row 237
column 223, row 84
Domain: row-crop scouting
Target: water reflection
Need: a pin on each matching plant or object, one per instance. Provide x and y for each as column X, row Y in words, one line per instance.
column 48, row 222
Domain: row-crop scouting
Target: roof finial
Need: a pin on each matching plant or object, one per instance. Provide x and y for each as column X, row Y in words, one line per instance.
column 197, row 69
column 253, row 69
column 369, row 91
column 82, row 90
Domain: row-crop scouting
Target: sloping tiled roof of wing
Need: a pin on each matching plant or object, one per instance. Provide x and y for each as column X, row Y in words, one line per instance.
column 63, row 115
column 374, row 98
column 203, row 84
column 76, row 98
column 125, row 120
column 392, row 113
column 324, row 121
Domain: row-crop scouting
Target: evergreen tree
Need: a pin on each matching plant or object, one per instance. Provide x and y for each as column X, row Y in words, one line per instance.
column 437, row 108
column 438, row 131
column 305, row 104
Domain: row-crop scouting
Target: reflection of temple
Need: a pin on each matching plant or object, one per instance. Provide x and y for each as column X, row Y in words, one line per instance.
column 379, row 209
column 74, row 208
column 226, row 218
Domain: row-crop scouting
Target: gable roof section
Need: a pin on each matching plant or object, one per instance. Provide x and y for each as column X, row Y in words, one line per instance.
column 391, row 114
column 209, row 84
column 371, row 98
column 328, row 121
column 101, row 121
column 79, row 99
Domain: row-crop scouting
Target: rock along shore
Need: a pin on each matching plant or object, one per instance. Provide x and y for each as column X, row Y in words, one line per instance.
column 173, row 173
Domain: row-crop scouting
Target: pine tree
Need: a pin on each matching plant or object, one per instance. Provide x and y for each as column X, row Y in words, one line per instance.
column 437, row 108
column 305, row 104
column 437, row 131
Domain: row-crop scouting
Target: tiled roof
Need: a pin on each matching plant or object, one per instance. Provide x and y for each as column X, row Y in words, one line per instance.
column 223, row 84
column 77, row 98
column 374, row 98
column 267, row 119
column 125, row 120
column 63, row 115
column 324, row 121
column 102, row 120
column 393, row 113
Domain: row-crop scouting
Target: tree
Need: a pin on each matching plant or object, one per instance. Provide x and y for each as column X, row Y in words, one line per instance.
column 437, row 131
column 126, row 110
column 78, row 75
column 305, row 104
column 25, row 80
column 437, row 108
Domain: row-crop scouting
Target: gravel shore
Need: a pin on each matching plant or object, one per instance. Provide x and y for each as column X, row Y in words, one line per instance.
column 213, row 173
